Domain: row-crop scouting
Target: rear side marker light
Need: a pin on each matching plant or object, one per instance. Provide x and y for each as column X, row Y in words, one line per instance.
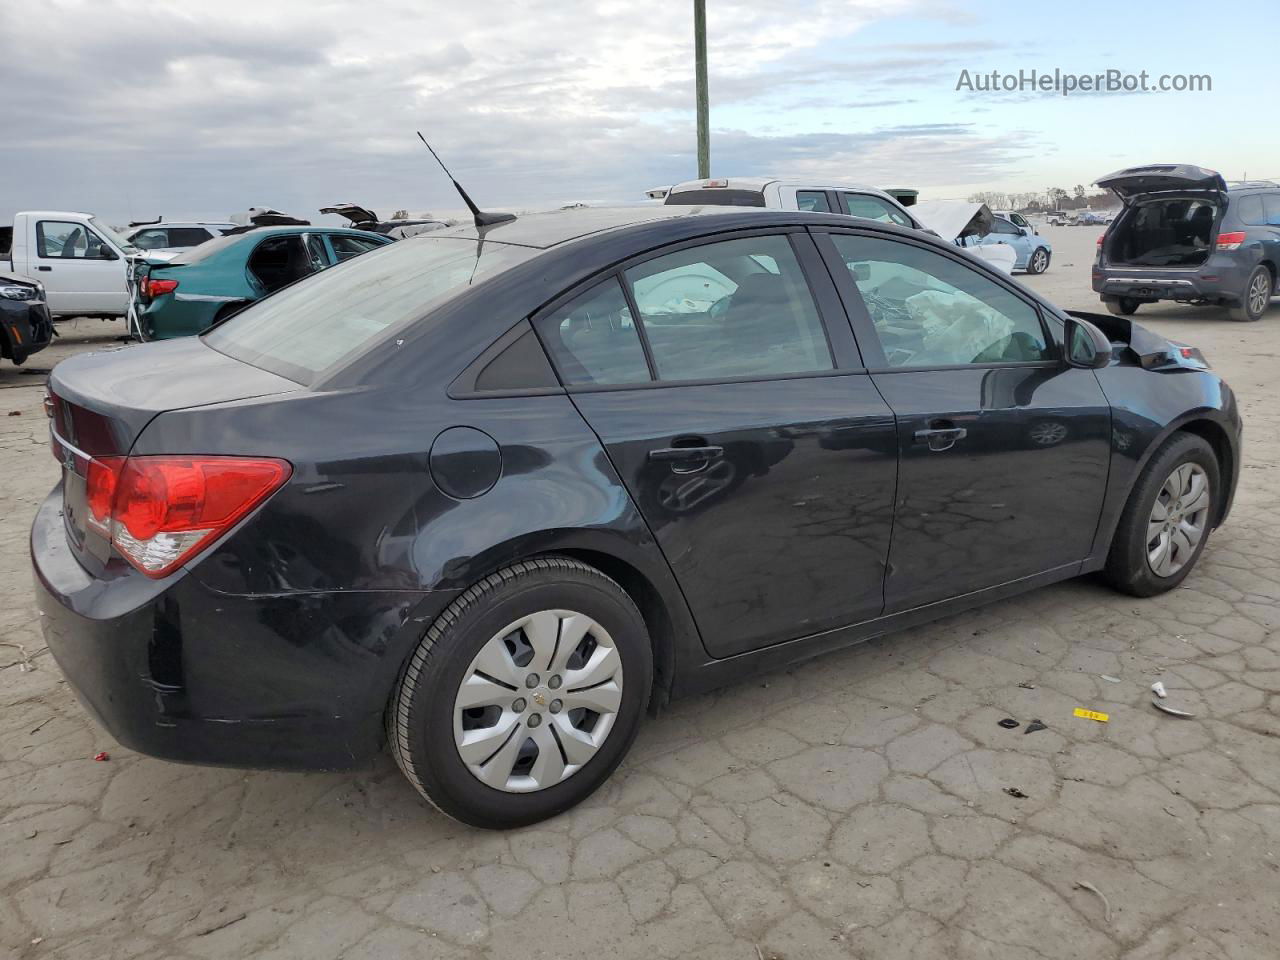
column 1101, row 236
column 1230, row 241
column 160, row 512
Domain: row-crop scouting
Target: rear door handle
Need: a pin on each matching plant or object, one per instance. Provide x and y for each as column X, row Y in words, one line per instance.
column 941, row 438
column 686, row 453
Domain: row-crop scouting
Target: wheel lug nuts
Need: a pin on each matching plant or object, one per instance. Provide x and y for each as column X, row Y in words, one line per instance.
column 519, row 705
column 554, row 682
column 531, row 681
column 535, row 719
column 557, row 706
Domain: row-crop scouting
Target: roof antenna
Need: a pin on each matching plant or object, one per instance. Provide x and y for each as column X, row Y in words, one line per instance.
column 482, row 219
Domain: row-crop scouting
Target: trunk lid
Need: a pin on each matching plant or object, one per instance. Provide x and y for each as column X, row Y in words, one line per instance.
column 100, row 402
column 1161, row 178
column 360, row 217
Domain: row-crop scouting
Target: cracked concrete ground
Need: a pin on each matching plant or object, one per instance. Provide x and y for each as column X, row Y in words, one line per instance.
column 852, row 807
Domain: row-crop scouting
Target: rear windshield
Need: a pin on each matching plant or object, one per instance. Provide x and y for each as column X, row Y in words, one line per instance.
column 205, row 250
column 717, row 197
column 316, row 323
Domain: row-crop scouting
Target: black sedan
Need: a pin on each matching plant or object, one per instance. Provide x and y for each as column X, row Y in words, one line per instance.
column 25, row 324
column 487, row 494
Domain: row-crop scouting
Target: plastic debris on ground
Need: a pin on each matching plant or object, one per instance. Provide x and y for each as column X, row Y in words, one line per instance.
column 1106, row 904
column 1172, row 711
column 1158, row 689
column 1109, row 679
column 102, row 756
column 1092, row 715
column 1035, row 726
column 1008, row 723
column 1016, row 793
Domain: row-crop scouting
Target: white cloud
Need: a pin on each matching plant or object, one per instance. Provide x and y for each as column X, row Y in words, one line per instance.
column 138, row 107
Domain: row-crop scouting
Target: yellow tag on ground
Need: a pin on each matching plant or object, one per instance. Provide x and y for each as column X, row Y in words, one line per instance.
column 1092, row 715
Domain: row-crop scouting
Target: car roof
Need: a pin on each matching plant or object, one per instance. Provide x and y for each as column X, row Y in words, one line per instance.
column 548, row 229
column 759, row 183
column 183, row 223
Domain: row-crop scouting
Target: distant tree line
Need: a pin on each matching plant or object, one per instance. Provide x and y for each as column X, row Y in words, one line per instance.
column 1055, row 198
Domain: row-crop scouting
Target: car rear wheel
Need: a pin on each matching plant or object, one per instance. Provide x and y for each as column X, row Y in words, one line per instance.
column 1256, row 297
column 524, row 695
column 1166, row 523
column 1039, row 261
column 1123, row 306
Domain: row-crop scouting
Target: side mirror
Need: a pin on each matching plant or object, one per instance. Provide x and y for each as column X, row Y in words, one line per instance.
column 1087, row 347
column 106, row 253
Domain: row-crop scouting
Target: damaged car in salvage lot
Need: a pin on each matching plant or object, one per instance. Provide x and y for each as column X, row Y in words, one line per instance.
column 207, row 284
column 25, row 324
column 1186, row 234
column 487, row 496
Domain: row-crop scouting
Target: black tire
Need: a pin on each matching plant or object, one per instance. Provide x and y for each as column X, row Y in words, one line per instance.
column 1127, row 567
column 420, row 716
column 1123, row 306
column 1036, row 263
column 1256, row 297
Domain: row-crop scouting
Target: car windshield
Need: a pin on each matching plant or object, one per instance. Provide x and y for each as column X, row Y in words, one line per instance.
column 106, row 231
column 310, row 326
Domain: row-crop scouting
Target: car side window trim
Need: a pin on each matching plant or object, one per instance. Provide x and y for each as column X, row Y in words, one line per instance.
column 831, row 313
column 860, row 318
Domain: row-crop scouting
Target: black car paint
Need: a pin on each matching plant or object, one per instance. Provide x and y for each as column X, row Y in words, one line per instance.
column 281, row 644
column 26, row 327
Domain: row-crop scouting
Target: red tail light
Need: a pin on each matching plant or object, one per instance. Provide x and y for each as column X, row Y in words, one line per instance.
column 1101, row 236
column 1230, row 241
column 151, row 287
column 161, row 511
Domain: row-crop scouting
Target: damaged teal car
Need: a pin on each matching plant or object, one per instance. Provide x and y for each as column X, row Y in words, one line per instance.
column 207, row 284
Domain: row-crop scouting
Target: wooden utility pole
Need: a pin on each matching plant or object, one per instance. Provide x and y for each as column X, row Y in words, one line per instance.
column 700, row 72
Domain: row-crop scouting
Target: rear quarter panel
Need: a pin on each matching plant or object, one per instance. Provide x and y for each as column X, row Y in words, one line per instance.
column 362, row 512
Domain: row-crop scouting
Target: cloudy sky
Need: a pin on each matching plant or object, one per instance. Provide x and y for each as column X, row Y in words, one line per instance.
column 134, row 108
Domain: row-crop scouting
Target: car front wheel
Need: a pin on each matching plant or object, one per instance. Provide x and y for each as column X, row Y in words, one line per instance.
column 1039, row 261
column 1166, row 522
column 524, row 695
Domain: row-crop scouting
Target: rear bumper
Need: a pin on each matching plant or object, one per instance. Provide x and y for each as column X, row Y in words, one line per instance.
column 1213, row 281
column 176, row 670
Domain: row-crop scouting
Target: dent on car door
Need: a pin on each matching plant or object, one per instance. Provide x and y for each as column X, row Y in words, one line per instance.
column 1004, row 449
column 761, row 456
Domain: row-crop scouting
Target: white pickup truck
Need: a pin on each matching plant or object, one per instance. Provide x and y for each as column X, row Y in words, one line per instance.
column 81, row 262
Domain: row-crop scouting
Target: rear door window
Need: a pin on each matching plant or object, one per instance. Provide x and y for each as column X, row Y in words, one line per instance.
column 188, row 236
column 346, row 246
column 1271, row 206
column 593, row 339
column 736, row 308
column 873, row 208
column 813, row 200
column 279, row 261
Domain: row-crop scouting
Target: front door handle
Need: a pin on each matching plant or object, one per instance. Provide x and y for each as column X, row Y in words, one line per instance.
column 45, row 269
column 941, row 436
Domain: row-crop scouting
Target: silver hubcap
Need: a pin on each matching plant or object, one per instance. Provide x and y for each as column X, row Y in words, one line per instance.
column 1179, row 519
column 1041, row 261
column 538, row 701
column 1260, row 292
